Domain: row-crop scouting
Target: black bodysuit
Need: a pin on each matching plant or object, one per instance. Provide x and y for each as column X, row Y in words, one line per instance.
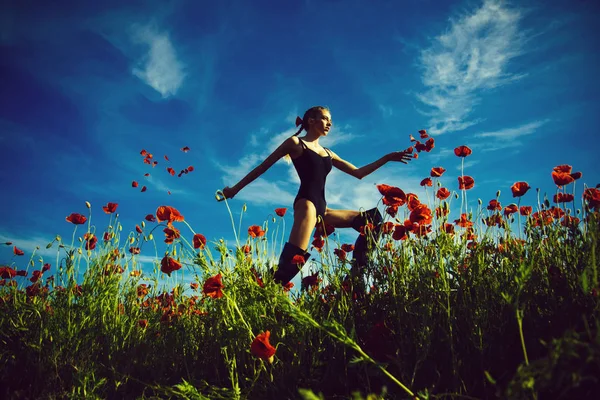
column 312, row 169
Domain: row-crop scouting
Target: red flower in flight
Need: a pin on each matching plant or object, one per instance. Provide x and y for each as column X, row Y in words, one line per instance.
column 213, row 287
column 134, row 184
column 17, row 251
column 465, row 182
column 143, row 189
column 110, row 208
column 185, row 149
column 463, row 151
column 423, row 134
column 171, row 171
column 168, row 265
column 280, row 211
column 76, row 219
column 261, row 347
column 199, row 241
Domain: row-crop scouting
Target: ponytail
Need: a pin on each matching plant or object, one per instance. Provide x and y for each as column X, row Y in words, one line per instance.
column 300, row 123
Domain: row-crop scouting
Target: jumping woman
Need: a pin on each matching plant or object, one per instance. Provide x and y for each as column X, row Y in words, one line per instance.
column 313, row 162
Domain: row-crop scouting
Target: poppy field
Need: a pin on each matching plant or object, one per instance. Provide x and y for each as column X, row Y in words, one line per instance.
column 499, row 302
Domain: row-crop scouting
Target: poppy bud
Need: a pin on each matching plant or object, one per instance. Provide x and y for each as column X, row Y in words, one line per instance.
column 37, row 247
column 273, row 219
column 456, row 195
column 58, row 238
column 546, row 203
column 49, row 245
column 88, row 205
column 120, row 228
column 80, row 240
column 143, row 224
column 150, row 237
column 578, row 211
column 497, row 194
column 32, row 263
column 244, row 208
column 131, row 240
column 89, row 253
column 439, row 184
column 479, row 201
column 79, row 251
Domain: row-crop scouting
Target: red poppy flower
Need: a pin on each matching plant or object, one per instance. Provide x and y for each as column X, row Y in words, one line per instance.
column 150, row 218
column 199, row 241
column 429, row 145
column 213, row 287
column 18, row 252
column 525, row 210
column 449, row 229
column 169, row 214
column 519, row 188
column 392, row 211
column 144, row 188
column 348, row 247
column 171, row 233
column 168, row 265
column 171, row 171
column 110, row 208
column 311, row 280
column 76, row 219
column 465, row 182
column 400, row 233
column 463, row 151
column 563, row 198
column 7, row 272
column 423, row 134
column 46, row 267
column 190, row 168
column 510, row 209
column 255, row 231
column 441, row 212
column 185, row 149
column 154, row 164
column 436, row 172
column 298, row 260
column 143, row 323
column 426, row 182
column 340, row 253
column 143, row 153
column 442, row 193
column 318, row 243
column 393, row 196
column 421, row 215
column 592, row 196
column 134, row 250
column 90, row 241
column 138, row 229
column 576, row 175
column 387, row 227
column 416, row 155
column 464, row 221
column 280, row 211
column 563, row 169
column 246, row 249
column 261, row 347
column 35, row 276
column 494, row 205
column 134, row 184
column 562, row 178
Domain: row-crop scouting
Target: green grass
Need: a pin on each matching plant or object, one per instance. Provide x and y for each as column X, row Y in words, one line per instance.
column 441, row 317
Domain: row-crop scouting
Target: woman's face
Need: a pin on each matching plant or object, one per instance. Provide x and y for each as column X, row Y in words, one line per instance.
column 321, row 123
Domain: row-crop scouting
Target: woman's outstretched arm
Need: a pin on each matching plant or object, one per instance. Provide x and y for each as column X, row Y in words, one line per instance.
column 282, row 150
column 349, row 168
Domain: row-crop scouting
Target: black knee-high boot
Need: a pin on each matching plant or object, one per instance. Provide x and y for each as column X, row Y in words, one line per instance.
column 361, row 246
column 287, row 270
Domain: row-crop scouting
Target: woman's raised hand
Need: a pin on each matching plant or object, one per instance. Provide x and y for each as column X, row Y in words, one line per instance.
column 401, row 156
column 227, row 192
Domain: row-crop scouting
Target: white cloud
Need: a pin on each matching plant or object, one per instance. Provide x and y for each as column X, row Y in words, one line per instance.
column 160, row 67
column 513, row 133
column 472, row 56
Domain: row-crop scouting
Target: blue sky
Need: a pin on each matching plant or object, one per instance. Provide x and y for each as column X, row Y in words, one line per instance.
column 86, row 86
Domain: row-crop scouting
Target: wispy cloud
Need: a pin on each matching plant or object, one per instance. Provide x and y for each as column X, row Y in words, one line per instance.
column 160, row 67
column 513, row 133
column 472, row 56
